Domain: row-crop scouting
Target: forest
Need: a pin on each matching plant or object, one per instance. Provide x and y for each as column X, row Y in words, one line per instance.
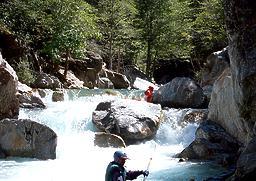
column 191, row 120
column 123, row 32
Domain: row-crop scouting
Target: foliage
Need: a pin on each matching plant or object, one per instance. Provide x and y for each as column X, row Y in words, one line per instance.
column 24, row 71
column 21, row 19
column 152, row 21
column 176, row 42
column 52, row 26
column 194, row 30
column 116, row 27
column 130, row 31
column 208, row 29
column 71, row 24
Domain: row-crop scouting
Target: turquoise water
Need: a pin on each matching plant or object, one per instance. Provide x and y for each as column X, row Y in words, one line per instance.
column 78, row 158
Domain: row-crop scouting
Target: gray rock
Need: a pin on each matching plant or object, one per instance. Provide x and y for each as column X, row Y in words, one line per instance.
column 119, row 81
column 46, row 81
column 181, row 92
column 103, row 139
column 26, row 138
column 215, row 64
column 246, row 164
column 212, row 142
column 29, row 98
column 58, row 96
column 224, row 110
column 132, row 72
column 132, row 120
column 9, row 107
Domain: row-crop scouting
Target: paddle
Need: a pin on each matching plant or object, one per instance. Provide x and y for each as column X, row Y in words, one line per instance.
column 149, row 162
column 147, row 168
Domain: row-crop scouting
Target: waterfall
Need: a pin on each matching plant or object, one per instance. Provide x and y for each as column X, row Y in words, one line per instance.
column 79, row 159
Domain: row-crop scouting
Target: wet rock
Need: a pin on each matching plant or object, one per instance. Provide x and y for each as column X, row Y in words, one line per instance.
column 26, row 138
column 132, row 120
column 212, row 142
column 58, row 96
column 41, row 92
column 28, row 100
column 103, row 139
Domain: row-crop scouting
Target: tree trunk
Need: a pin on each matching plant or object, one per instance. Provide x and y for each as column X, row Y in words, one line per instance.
column 66, row 63
column 118, row 61
column 148, row 61
column 150, row 40
column 111, row 40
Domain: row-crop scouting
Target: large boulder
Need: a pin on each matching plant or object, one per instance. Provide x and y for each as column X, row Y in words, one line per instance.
column 240, row 16
column 233, row 99
column 132, row 120
column 212, row 142
column 46, row 81
column 88, row 69
column 94, row 60
column 26, row 138
column 58, row 96
column 181, row 92
column 119, row 80
column 224, row 110
column 246, row 164
column 91, row 78
column 29, row 98
column 9, row 107
column 70, row 81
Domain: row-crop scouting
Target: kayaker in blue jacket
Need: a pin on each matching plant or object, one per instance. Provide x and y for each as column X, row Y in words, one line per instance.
column 116, row 171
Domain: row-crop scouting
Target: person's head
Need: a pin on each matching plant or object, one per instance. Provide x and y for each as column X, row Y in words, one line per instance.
column 120, row 157
column 151, row 88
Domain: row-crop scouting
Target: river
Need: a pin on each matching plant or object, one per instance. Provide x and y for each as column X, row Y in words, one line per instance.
column 78, row 159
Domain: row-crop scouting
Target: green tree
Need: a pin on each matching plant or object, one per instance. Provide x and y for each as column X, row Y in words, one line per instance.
column 152, row 21
column 208, row 29
column 57, row 28
column 116, row 28
column 71, row 24
column 176, row 39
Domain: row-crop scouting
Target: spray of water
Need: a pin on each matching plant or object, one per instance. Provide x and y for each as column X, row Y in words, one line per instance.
column 79, row 159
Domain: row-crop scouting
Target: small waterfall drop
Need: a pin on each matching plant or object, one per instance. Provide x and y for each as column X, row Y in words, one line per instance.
column 79, row 159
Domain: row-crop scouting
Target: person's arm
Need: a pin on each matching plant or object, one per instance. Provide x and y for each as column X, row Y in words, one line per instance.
column 131, row 175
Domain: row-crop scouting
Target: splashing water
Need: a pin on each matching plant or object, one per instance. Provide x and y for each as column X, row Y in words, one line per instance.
column 77, row 157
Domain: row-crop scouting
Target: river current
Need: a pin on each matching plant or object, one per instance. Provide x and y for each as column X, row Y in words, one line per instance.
column 78, row 159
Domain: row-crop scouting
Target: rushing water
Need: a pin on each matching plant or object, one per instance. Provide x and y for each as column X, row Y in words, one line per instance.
column 79, row 160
